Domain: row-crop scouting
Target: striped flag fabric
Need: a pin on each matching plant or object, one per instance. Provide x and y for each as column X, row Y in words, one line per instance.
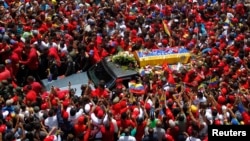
column 166, row 29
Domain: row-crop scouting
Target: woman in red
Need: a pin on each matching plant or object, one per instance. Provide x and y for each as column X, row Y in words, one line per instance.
column 99, row 53
column 108, row 131
column 100, row 91
column 80, row 127
column 31, row 62
column 140, row 128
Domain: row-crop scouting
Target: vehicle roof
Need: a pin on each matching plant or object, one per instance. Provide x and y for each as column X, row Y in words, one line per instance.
column 117, row 70
column 76, row 81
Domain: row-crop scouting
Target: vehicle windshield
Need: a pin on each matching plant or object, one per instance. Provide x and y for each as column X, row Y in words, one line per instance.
column 98, row 73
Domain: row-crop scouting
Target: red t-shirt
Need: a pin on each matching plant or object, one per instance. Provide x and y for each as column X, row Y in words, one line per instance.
column 108, row 134
column 14, row 61
column 31, row 96
column 5, row 74
column 99, row 55
column 100, row 93
column 79, row 128
column 169, row 137
column 246, row 118
column 36, row 86
column 173, row 131
column 140, row 131
column 32, row 61
column 126, row 123
column 53, row 52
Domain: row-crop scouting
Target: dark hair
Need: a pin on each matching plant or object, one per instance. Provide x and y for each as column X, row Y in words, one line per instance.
column 27, row 46
column 29, row 136
column 107, row 126
column 28, row 127
column 181, row 117
column 9, row 136
column 29, row 87
column 139, row 120
column 23, row 106
column 124, row 115
column 102, row 84
column 214, row 113
column 200, row 95
column 194, row 133
column 150, row 131
column 152, row 115
column 170, row 104
column 2, row 66
column 127, row 132
column 176, row 111
column 72, row 111
column 37, row 125
column 51, row 112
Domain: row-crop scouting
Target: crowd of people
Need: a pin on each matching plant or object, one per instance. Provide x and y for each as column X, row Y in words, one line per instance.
column 43, row 39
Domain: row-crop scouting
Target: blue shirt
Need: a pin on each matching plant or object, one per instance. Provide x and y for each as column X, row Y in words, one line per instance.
column 10, row 109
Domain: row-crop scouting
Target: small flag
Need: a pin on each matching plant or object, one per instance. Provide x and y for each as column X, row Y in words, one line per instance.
column 165, row 26
column 136, row 88
column 213, row 83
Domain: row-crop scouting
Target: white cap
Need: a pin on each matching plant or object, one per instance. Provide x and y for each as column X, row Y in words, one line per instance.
column 9, row 101
column 116, row 99
column 176, row 20
column 171, row 123
column 220, row 117
column 209, row 117
column 5, row 114
column 224, row 108
column 80, row 5
column 66, row 21
column 23, row 39
column 87, row 108
column 123, row 26
column 166, row 88
column 147, row 72
column 35, row 32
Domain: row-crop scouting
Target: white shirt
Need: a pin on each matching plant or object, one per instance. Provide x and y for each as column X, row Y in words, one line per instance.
column 21, row 116
column 53, row 44
column 42, row 46
column 197, row 101
column 97, row 120
column 87, row 28
column 105, row 120
column 204, row 130
column 160, row 132
column 73, row 119
column 39, row 115
column 192, row 139
column 127, row 138
column 51, row 122
column 63, row 49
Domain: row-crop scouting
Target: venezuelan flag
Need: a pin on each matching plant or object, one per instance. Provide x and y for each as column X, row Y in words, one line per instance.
column 165, row 26
column 213, row 83
column 136, row 88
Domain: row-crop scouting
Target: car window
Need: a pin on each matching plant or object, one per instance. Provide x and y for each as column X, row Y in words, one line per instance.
column 98, row 73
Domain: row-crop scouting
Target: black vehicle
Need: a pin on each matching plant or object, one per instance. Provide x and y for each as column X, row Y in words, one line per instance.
column 110, row 72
